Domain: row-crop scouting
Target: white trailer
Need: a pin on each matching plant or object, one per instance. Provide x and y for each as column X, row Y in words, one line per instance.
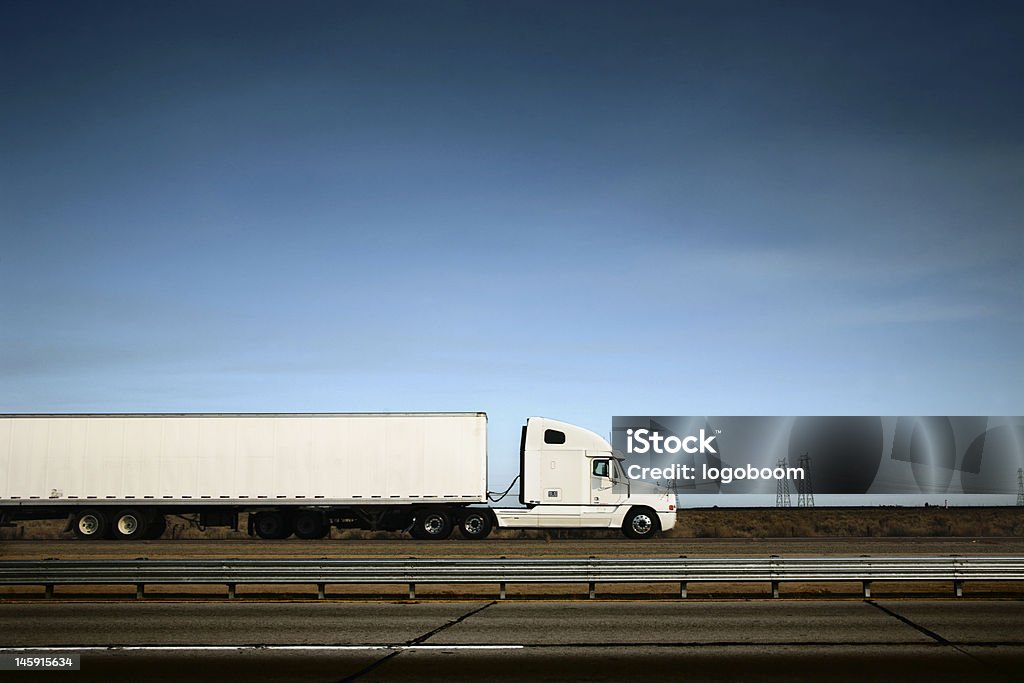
column 121, row 475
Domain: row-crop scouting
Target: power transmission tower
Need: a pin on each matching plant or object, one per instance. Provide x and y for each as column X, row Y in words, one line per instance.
column 805, row 492
column 782, row 487
column 1020, row 486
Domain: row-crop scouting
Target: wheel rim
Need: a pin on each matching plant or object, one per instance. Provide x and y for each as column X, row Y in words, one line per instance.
column 88, row 524
column 269, row 525
column 473, row 524
column 127, row 525
column 433, row 524
column 642, row 524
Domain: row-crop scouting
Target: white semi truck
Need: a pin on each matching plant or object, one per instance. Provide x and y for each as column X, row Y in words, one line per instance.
column 122, row 475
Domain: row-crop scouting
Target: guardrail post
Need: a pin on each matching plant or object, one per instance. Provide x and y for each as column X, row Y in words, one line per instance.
column 958, row 588
column 592, row 593
column 775, row 589
column 140, row 591
column 867, row 589
column 48, row 591
column 501, row 590
column 231, row 591
column 321, row 591
column 682, row 589
column 412, row 591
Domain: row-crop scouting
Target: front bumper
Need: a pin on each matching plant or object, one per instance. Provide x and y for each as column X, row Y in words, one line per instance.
column 667, row 519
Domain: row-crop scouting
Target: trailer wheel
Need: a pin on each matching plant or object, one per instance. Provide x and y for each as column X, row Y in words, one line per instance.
column 157, row 527
column 641, row 523
column 90, row 525
column 432, row 525
column 272, row 525
column 475, row 525
column 130, row 525
column 310, row 524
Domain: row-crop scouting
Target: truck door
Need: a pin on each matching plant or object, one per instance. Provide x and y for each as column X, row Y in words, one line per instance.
column 605, row 493
column 602, row 486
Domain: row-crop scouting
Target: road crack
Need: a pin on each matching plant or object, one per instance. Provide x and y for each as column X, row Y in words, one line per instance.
column 933, row 635
column 418, row 640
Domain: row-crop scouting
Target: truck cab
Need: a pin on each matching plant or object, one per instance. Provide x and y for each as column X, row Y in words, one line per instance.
column 572, row 478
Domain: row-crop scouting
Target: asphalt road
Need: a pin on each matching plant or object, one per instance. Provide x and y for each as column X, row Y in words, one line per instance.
column 497, row 547
column 850, row 640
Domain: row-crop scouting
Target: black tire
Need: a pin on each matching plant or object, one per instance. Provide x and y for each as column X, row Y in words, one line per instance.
column 90, row 525
column 641, row 523
column 476, row 524
column 157, row 527
column 129, row 525
column 272, row 525
column 310, row 524
column 432, row 525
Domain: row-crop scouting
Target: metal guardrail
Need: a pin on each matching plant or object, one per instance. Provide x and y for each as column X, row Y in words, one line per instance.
column 413, row 571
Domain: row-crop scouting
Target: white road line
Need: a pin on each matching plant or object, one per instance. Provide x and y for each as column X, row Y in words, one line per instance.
column 236, row 648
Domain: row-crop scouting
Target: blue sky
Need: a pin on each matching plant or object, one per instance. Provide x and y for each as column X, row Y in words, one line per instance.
column 569, row 209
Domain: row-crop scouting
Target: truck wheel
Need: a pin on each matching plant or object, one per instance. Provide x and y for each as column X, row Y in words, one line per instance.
column 272, row 525
column 641, row 523
column 90, row 525
column 157, row 527
column 130, row 525
column 432, row 525
column 475, row 525
column 310, row 524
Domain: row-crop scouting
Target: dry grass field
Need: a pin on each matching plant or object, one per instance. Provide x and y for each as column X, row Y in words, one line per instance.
column 851, row 522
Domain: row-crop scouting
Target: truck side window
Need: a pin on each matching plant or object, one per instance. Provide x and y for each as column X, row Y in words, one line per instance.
column 554, row 436
column 600, row 468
